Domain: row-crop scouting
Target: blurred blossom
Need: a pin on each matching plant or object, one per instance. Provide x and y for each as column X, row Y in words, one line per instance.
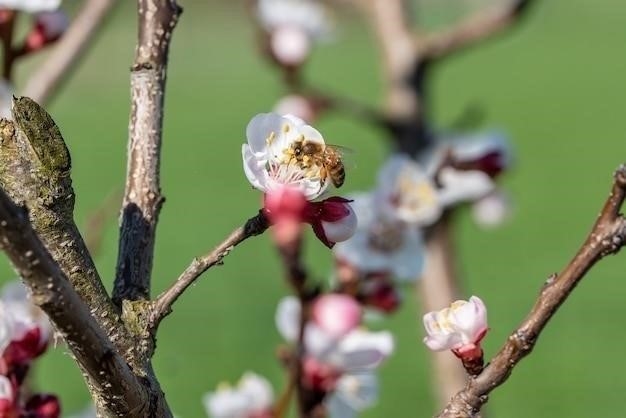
column 408, row 197
column 299, row 106
column 459, row 328
column 418, row 195
column 30, row 6
column 275, row 162
column 290, row 45
column 309, row 16
column 251, row 398
column 328, row 356
column 380, row 243
column 353, row 394
column 336, row 314
column 47, row 28
column 26, row 330
column 489, row 152
column 492, row 210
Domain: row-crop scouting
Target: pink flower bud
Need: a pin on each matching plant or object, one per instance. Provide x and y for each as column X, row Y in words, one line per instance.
column 285, row 208
column 333, row 220
column 336, row 314
column 290, row 45
column 460, row 327
column 43, row 405
column 319, row 376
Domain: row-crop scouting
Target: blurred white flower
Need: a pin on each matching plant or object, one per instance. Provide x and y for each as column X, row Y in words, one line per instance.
column 336, row 314
column 251, row 398
column 26, row 315
column 459, row 327
column 413, row 194
column 310, row 16
column 492, row 210
column 353, row 393
column 30, row 6
column 357, row 350
column 273, row 155
column 53, row 24
column 381, row 244
column 290, row 45
column 298, row 106
column 489, row 152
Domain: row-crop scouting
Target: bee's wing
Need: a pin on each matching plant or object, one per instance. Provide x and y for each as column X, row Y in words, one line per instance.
column 347, row 155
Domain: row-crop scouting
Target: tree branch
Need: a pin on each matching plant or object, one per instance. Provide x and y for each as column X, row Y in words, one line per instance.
column 471, row 31
column 115, row 388
column 35, row 172
column 42, row 84
column 607, row 236
column 163, row 303
column 142, row 195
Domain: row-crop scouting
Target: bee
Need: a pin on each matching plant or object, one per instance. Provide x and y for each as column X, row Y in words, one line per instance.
column 327, row 157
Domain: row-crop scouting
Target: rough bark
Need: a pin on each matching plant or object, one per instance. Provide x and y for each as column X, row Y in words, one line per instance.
column 142, row 195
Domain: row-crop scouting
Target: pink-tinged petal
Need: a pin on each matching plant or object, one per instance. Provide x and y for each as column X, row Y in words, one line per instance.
column 333, row 220
column 441, row 342
column 336, row 314
column 431, row 323
column 341, row 230
column 288, row 318
column 463, row 186
column 259, row 129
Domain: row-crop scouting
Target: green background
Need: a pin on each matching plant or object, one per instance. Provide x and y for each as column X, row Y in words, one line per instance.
column 555, row 83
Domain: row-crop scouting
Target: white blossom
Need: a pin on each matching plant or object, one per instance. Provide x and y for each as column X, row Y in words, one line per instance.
column 30, row 6
column 252, row 396
column 269, row 161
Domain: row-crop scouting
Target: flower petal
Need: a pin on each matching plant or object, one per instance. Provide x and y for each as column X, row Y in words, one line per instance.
column 461, row 186
column 260, row 128
column 288, row 318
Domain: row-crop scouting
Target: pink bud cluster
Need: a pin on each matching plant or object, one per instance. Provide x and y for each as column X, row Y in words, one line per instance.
column 25, row 336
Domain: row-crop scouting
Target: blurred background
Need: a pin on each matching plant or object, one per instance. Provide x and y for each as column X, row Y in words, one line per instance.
column 555, row 83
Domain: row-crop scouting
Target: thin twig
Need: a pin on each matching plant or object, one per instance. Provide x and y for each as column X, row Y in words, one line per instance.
column 163, row 303
column 142, row 195
column 44, row 82
column 469, row 32
column 607, row 236
column 116, row 388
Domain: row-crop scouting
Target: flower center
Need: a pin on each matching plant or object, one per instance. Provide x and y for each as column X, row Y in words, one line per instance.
column 386, row 237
